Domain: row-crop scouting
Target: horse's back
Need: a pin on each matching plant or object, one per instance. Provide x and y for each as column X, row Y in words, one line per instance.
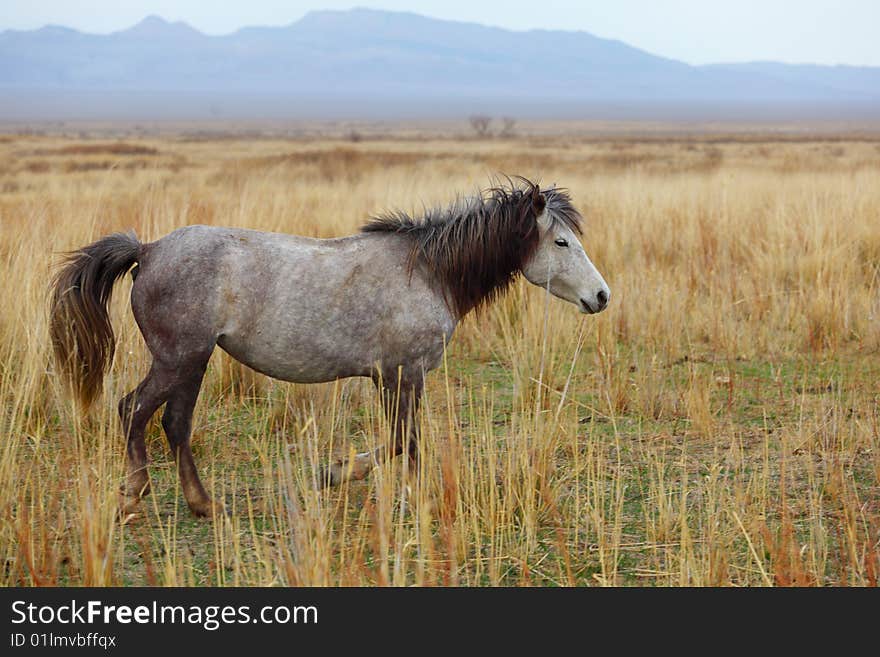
column 295, row 308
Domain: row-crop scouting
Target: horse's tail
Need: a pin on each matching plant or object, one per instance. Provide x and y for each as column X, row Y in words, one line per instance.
column 79, row 325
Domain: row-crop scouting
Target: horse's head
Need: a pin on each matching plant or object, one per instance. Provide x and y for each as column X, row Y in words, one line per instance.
column 559, row 263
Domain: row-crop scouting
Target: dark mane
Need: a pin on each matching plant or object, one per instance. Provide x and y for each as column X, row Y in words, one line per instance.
column 477, row 246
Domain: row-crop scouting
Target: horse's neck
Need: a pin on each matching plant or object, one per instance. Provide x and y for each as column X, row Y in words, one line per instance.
column 483, row 274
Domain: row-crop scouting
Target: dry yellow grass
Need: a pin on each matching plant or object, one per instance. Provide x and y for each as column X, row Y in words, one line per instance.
column 718, row 425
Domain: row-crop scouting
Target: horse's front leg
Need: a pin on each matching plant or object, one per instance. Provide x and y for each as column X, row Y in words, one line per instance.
column 401, row 404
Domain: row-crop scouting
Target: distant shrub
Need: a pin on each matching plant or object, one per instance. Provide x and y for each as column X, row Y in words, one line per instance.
column 116, row 148
column 480, row 124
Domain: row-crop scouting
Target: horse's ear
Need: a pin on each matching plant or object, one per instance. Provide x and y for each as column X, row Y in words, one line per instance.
column 539, row 202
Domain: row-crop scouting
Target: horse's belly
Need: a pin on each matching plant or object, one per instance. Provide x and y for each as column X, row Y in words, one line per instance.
column 294, row 363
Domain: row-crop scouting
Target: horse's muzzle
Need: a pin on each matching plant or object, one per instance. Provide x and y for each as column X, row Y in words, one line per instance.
column 596, row 307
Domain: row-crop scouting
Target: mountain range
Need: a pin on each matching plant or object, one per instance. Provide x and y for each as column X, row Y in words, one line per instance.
column 366, row 62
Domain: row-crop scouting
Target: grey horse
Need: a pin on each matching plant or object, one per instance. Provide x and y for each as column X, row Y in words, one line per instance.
column 381, row 304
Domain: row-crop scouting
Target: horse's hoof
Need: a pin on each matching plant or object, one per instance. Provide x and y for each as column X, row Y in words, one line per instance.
column 330, row 476
column 128, row 506
column 209, row 509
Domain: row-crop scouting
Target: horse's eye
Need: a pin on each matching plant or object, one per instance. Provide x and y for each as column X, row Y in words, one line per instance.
column 561, row 242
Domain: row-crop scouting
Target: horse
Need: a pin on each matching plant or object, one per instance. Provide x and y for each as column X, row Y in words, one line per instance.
column 382, row 303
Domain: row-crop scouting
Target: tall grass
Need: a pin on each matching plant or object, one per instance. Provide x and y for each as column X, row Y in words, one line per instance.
column 718, row 425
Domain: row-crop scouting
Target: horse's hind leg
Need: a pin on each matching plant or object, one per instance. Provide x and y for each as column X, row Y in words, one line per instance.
column 135, row 410
column 177, row 423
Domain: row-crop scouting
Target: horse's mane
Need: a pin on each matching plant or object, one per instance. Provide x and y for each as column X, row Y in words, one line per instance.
column 476, row 246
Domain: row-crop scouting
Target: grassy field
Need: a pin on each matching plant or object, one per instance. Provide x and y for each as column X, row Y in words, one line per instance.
column 717, row 425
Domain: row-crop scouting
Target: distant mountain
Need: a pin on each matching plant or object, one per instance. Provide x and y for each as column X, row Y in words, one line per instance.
column 835, row 81
column 376, row 61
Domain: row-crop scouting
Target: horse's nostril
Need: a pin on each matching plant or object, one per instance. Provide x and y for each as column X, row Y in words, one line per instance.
column 602, row 297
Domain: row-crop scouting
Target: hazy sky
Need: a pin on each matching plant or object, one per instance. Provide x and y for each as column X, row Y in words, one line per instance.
column 695, row 31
